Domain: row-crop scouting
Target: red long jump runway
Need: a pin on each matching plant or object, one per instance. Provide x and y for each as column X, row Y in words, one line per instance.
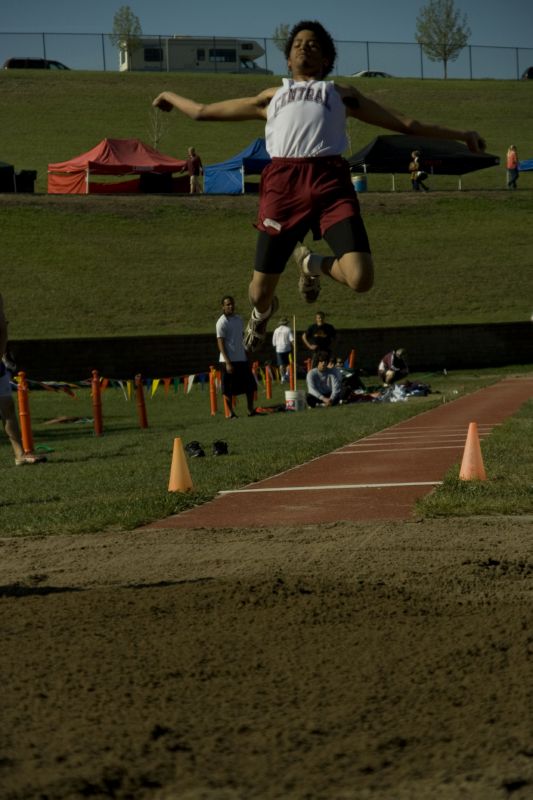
column 378, row 477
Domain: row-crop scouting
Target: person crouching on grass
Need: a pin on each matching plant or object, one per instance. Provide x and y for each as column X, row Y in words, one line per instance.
column 307, row 185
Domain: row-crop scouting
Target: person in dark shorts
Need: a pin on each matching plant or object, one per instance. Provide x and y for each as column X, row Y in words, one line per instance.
column 237, row 375
column 307, row 186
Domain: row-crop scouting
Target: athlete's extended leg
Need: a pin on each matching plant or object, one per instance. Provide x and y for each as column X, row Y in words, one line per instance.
column 264, row 304
column 272, row 253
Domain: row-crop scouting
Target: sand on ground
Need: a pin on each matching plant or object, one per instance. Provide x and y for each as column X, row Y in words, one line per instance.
column 391, row 661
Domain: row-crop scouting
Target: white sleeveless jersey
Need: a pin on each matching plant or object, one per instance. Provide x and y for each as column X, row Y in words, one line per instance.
column 306, row 118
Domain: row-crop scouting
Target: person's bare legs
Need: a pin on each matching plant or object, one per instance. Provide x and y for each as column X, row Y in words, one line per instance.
column 10, row 424
column 261, row 290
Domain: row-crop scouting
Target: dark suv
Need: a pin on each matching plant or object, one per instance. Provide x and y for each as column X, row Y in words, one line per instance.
column 32, row 63
column 527, row 75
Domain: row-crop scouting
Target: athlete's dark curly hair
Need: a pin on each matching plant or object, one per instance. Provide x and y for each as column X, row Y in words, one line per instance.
column 327, row 45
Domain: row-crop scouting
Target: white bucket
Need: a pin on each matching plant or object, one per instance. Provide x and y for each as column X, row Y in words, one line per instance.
column 294, row 401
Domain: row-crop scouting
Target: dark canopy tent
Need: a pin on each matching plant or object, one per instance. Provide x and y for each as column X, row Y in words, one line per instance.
column 392, row 154
column 228, row 177
column 7, row 177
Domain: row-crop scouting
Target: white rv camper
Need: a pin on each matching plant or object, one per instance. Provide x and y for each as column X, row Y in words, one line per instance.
column 193, row 54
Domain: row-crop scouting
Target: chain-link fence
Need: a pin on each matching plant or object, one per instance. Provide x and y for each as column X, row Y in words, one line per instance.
column 96, row 51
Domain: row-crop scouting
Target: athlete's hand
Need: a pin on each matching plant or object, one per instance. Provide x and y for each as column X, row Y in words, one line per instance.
column 162, row 103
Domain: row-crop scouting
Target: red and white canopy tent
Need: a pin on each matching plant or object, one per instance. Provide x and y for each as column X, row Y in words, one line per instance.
column 112, row 157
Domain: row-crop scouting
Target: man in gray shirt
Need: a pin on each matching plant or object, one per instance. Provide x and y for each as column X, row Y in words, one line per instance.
column 323, row 383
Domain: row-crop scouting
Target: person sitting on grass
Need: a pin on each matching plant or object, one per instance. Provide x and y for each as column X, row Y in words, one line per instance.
column 323, row 383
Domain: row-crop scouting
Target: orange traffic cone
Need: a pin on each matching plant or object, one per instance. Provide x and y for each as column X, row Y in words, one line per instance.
column 180, row 477
column 472, row 464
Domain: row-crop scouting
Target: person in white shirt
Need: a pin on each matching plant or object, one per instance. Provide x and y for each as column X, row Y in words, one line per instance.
column 237, row 375
column 282, row 341
column 307, row 185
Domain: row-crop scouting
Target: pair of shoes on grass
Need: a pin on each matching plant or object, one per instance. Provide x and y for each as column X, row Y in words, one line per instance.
column 195, row 449
column 29, row 459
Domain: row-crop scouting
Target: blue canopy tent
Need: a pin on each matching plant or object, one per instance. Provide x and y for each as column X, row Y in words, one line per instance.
column 228, row 177
column 525, row 166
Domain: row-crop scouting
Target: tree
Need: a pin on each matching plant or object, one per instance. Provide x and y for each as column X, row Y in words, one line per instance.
column 126, row 31
column 280, row 36
column 442, row 31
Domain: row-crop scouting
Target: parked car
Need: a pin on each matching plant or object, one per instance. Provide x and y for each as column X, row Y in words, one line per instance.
column 527, row 75
column 370, row 73
column 33, row 63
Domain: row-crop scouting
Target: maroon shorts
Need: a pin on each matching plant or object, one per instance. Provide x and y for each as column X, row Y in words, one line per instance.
column 305, row 193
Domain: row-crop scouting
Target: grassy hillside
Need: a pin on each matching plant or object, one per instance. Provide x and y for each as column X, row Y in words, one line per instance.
column 50, row 117
column 159, row 264
column 100, row 265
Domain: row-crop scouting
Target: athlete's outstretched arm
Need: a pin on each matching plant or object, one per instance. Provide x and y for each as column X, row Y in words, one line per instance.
column 367, row 110
column 237, row 109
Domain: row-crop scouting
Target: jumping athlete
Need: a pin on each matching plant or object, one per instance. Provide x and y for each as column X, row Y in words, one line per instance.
column 307, row 185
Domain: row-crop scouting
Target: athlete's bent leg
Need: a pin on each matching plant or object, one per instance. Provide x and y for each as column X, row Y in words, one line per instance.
column 353, row 265
column 355, row 270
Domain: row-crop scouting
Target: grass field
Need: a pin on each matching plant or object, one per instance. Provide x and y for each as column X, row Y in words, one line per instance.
column 103, row 266
column 119, row 480
column 75, row 266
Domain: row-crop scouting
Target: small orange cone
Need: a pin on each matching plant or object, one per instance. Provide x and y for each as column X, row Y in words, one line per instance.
column 180, row 477
column 472, row 464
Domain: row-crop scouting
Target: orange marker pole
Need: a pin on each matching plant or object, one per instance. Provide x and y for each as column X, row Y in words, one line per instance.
column 212, row 390
column 24, row 414
column 291, row 372
column 97, row 403
column 141, row 407
column 227, row 407
column 268, row 383
column 351, row 362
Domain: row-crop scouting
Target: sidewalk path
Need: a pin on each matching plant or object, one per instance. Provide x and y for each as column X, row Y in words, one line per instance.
column 378, row 477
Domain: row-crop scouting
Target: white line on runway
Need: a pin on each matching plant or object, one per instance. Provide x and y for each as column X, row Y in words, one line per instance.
column 332, row 486
column 399, row 450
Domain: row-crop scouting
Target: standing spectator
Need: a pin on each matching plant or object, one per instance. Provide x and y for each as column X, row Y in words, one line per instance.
column 393, row 367
column 512, row 167
column 320, row 335
column 7, row 406
column 282, row 341
column 195, row 169
column 237, row 377
column 418, row 176
column 307, row 186
column 323, row 383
